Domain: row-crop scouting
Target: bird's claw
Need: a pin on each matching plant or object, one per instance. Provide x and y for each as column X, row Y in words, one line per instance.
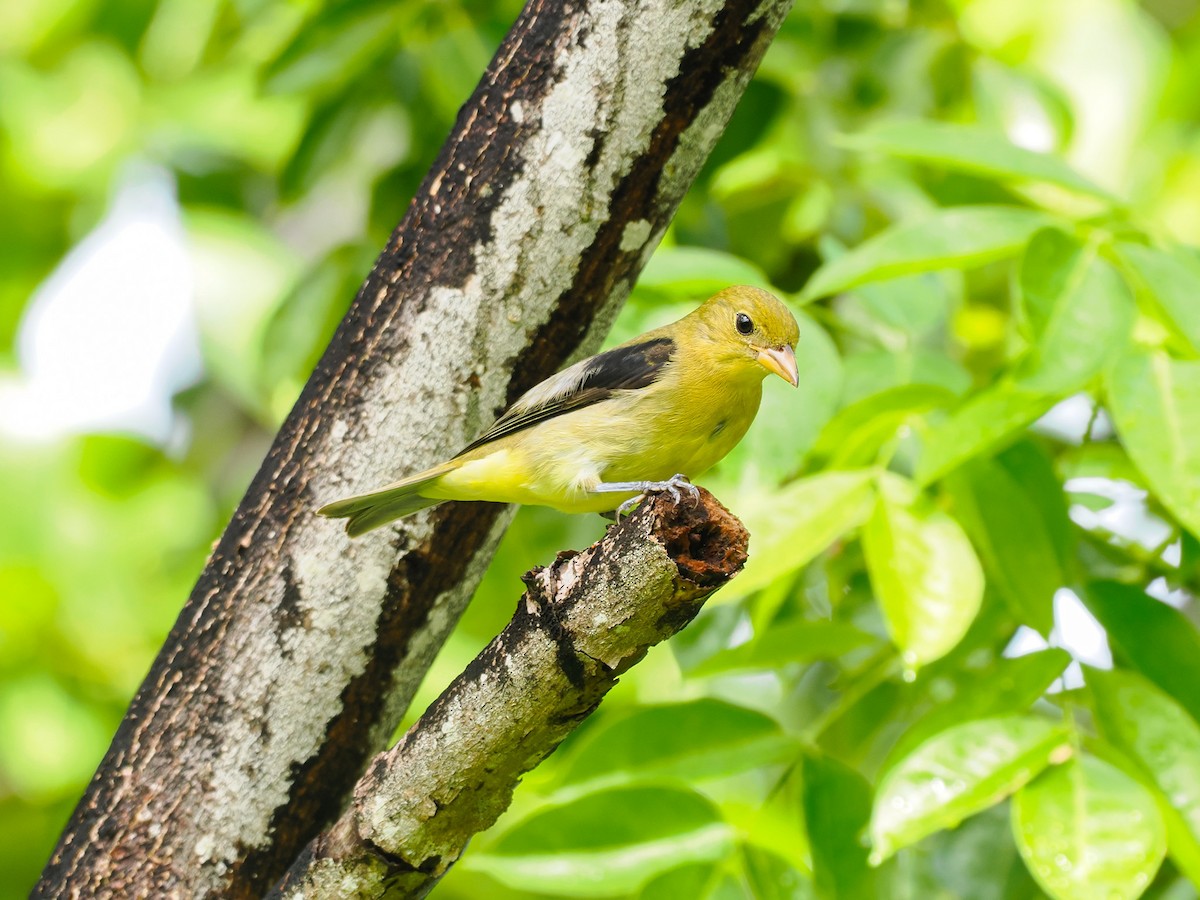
column 679, row 483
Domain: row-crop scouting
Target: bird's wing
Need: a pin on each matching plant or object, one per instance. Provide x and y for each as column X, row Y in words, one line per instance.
column 628, row 367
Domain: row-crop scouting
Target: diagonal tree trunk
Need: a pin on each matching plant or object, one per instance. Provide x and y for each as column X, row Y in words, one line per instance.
column 298, row 651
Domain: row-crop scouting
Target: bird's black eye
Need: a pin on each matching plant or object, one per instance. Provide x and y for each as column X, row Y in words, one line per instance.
column 744, row 325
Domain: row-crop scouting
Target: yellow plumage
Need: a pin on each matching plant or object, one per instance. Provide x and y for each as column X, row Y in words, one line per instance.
column 671, row 402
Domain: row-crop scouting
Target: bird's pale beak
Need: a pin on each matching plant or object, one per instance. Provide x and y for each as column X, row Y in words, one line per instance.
column 781, row 361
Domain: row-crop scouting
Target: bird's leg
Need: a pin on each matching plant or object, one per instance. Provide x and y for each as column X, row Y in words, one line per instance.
column 676, row 486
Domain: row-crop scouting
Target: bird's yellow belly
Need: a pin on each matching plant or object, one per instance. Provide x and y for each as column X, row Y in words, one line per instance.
column 689, row 452
column 511, row 474
column 687, row 447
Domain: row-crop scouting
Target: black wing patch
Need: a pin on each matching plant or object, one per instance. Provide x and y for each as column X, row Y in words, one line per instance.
column 620, row 369
column 627, row 368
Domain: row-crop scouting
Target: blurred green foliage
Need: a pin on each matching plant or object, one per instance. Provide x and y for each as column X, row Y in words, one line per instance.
column 984, row 212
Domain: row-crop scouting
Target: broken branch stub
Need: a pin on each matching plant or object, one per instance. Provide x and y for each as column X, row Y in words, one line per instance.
column 582, row 621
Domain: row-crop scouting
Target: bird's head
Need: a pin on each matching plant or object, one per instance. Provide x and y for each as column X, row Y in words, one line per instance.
column 756, row 326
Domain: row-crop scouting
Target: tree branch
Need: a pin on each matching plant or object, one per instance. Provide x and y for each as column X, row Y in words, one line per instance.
column 581, row 623
column 298, row 651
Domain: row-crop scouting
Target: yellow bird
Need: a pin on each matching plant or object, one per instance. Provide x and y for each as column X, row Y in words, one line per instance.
column 644, row 416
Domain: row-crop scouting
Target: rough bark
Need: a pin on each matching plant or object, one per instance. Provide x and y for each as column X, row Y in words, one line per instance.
column 581, row 623
column 298, row 651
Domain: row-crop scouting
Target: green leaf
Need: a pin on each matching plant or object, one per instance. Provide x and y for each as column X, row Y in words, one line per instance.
column 691, row 272
column 595, row 847
column 968, row 148
column 1034, row 469
column 799, row 641
column 957, row 773
column 795, row 523
column 767, row 877
column 1155, row 404
column 855, row 435
column 703, row 881
column 906, row 309
column 1154, row 730
column 1013, row 541
column 898, row 312
column 1170, row 279
column 924, row 572
column 1088, row 830
column 772, row 824
column 1157, row 639
column 978, row 860
column 1099, row 460
column 335, row 47
column 446, row 63
column 298, row 331
column 770, row 877
column 710, row 633
column 699, row 739
column 331, row 134
column 1077, row 309
column 837, row 808
column 985, row 421
column 858, row 724
column 955, row 238
column 1009, row 686
column 874, row 371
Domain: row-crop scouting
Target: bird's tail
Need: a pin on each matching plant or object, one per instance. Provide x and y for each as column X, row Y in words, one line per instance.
column 367, row 511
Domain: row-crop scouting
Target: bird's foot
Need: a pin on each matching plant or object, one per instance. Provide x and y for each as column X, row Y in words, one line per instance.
column 676, row 487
